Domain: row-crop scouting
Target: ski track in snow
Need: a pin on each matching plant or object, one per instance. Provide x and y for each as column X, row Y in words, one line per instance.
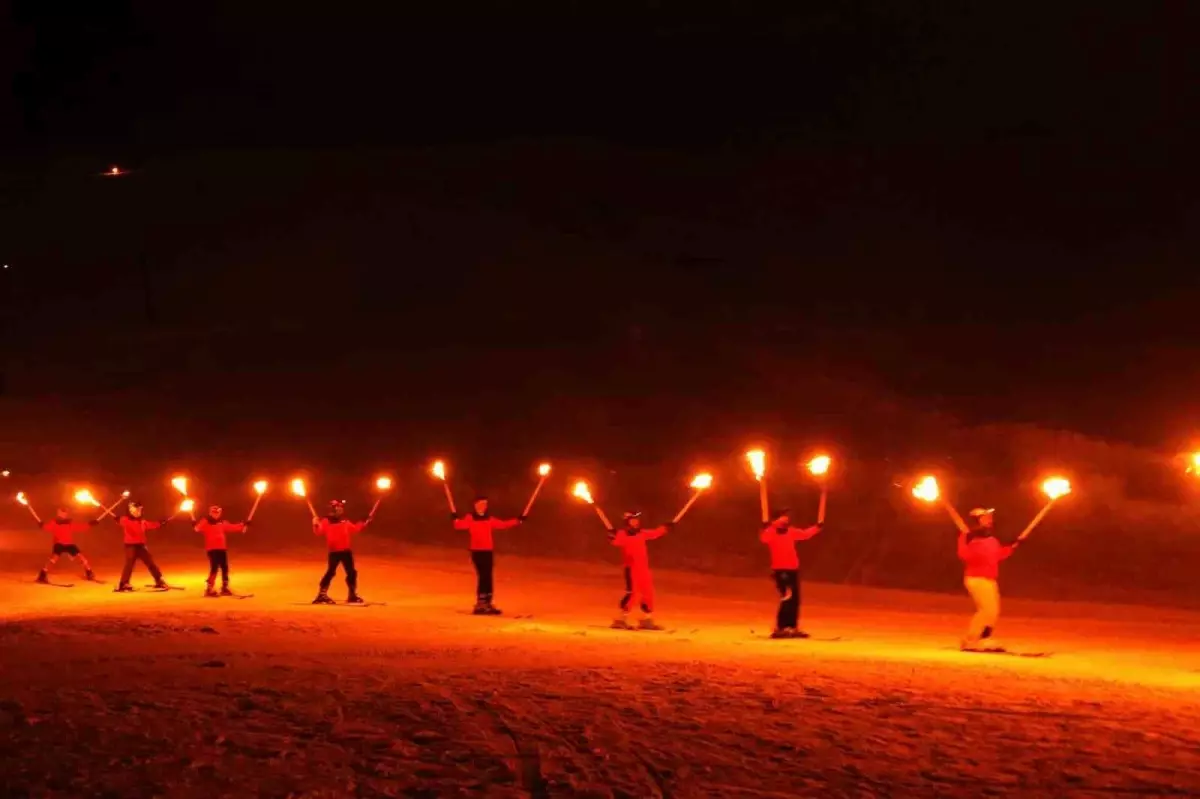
column 167, row 695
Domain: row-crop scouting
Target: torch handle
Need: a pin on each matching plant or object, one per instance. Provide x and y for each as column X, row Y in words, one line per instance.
column 603, row 518
column 374, row 508
column 537, row 488
column 762, row 499
column 958, row 519
column 687, row 507
column 449, row 497
column 311, row 509
column 33, row 513
column 821, row 505
column 108, row 511
column 254, row 507
column 1036, row 521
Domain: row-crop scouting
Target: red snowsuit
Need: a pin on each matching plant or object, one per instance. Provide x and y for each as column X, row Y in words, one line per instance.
column 782, row 545
column 214, row 532
column 480, row 530
column 338, row 533
column 135, row 529
column 639, row 582
column 981, row 555
column 64, row 532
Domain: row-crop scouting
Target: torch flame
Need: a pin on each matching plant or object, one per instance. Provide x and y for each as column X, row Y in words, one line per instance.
column 926, row 489
column 702, row 482
column 180, row 484
column 125, row 494
column 582, row 492
column 819, row 465
column 260, row 487
column 187, row 506
column 384, row 483
column 298, row 488
column 439, row 470
column 5, row 473
column 84, row 497
column 758, row 462
column 1056, row 487
column 22, row 498
column 1193, row 469
column 544, row 469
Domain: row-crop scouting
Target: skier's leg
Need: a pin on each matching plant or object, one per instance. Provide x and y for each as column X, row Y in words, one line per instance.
column 351, row 573
column 330, row 571
column 148, row 559
column 130, row 557
column 793, row 604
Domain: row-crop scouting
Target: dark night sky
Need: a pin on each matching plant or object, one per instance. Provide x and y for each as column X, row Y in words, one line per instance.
column 649, row 217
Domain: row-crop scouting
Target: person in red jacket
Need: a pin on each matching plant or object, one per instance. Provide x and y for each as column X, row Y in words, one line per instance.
column 639, row 582
column 134, row 528
column 63, row 529
column 338, row 531
column 981, row 553
column 479, row 525
column 214, row 528
column 781, row 538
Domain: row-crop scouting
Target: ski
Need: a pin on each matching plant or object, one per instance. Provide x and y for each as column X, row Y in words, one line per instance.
column 230, row 596
column 55, row 585
column 361, row 604
column 1008, row 653
column 166, row 588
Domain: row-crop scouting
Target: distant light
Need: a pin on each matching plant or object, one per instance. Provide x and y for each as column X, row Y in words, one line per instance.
column 114, row 171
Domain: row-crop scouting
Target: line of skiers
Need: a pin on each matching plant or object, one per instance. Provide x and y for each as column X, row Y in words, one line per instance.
column 978, row 548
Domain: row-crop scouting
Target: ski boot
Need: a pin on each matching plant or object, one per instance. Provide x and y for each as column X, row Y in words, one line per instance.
column 210, row 591
column 123, row 588
column 621, row 623
column 225, row 591
column 161, row 584
column 354, row 599
column 780, row 632
column 89, row 575
column 796, row 632
column 491, row 610
column 480, row 609
column 323, row 599
column 647, row 623
column 43, row 577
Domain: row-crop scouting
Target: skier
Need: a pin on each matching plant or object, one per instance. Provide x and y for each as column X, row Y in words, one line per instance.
column 338, row 531
column 480, row 524
column 780, row 538
column 63, row 528
column 214, row 528
column 981, row 553
column 134, row 528
column 639, row 582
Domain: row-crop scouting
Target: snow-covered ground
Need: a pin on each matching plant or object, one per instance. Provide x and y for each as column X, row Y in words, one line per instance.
column 175, row 695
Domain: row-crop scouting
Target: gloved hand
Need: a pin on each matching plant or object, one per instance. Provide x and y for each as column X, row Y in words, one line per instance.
column 521, row 519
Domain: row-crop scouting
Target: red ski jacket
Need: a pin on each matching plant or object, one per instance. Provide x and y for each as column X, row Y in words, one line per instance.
column 64, row 532
column 781, row 541
column 981, row 555
column 214, row 533
column 480, row 529
column 633, row 546
column 135, row 529
column 337, row 532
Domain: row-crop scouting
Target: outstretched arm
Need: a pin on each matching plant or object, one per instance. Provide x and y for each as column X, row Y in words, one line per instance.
column 460, row 522
column 656, row 532
column 804, row 533
column 504, row 524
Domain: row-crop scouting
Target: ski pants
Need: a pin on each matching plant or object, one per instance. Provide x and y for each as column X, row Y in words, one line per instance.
column 986, row 594
column 218, row 559
column 346, row 559
column 639, row 585
column 787, row 582
column 136, row 552
column 484, row 561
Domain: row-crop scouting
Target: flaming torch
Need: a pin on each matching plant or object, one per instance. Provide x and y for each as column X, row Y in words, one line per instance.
column 700, row 483
column 818, row 467
column 543, row 472
column 439, row 471
column 260, row 488
column 383, row 484
column 927, row 490
column 24, row 500
column 299, row 490
column 758, row 465
column 180, row 484
column 108, row 511
column 1055, row 488
column 581, row 491
column 188, row 506
column 84, row 497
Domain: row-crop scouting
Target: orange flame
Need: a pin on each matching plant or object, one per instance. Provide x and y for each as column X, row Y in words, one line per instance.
column 298, row 488
column 1056, row 487
column 22, row 498
column 84, row 497
column 582, row 491
column 180, row 484
column 384, row 483
column 260, row 487
column 758, row 463
column 702, row 481
column 187, row 506
column 819, row 465
column 439, row 470
column 544, row 469
column 927, row 489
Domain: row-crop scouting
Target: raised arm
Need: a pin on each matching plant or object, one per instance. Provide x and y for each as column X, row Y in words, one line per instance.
column 460, row 522
column 319, row 525
column 504, row 524
column 656, row 532
column 235, row 527
column 804, row 533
